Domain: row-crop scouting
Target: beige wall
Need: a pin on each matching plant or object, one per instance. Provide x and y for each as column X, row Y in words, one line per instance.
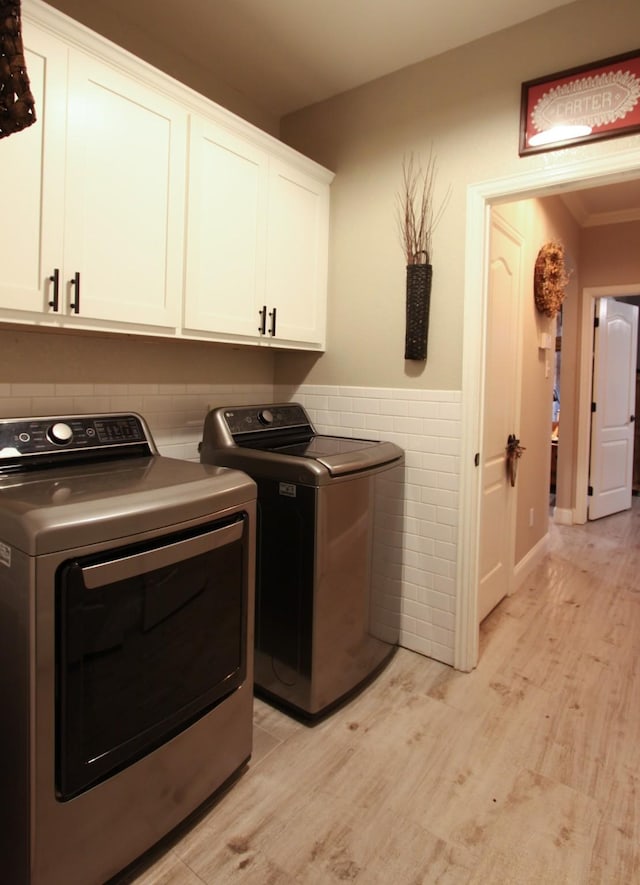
column 29, row 356
column 611, row 255
column 466, row 104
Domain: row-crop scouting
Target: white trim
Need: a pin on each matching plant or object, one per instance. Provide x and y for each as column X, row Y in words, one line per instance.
column 540, row 182
column 583, row 434
column 564, row 516
column 529, row 561
column 477, row 245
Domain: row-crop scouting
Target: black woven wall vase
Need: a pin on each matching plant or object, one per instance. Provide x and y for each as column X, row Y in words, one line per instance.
column 418, row 302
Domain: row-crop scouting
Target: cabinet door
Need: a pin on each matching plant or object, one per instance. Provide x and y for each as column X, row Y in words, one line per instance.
column 32, row 184
column 225, row 232
column 124, row 210
column 297, row 254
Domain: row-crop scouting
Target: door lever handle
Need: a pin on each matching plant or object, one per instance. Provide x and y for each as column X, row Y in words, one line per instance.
column 514, row 452
column 632, row 418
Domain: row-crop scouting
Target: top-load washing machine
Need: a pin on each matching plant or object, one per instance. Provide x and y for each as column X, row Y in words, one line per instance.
column 328, row 555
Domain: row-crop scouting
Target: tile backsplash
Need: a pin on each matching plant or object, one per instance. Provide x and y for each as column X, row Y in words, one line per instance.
column 174, row 412
column 424, row 423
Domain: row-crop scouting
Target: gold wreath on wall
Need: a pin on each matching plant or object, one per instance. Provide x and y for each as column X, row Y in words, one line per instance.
column 550, row 279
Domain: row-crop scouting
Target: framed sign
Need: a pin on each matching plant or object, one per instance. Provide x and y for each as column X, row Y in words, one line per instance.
column 598, row 100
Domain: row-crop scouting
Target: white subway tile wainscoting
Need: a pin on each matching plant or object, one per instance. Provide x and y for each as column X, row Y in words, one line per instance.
column 424, row 423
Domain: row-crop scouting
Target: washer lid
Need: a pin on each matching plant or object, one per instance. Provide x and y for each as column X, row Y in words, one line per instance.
column 341, row 455
column 359, row 456
column 69, row 507
column 278, row 441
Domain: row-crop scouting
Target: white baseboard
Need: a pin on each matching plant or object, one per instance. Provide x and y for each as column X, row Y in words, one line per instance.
column 528, row 562
column 563, row 516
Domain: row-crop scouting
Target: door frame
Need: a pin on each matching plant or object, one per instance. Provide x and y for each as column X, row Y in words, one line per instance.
column 585, row 395
column 543, row 182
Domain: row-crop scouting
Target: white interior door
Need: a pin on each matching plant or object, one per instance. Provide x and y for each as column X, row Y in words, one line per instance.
column 502, row 385
column 612, row 422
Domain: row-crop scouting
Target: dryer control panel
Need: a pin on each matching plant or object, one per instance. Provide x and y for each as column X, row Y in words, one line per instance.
column 25, row 441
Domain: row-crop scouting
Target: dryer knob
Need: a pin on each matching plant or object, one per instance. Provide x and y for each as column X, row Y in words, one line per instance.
column 265, row 416
column 60, row 433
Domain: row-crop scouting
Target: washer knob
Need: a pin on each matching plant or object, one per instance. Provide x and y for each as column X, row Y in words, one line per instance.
column 265, row 416
column 60, row 433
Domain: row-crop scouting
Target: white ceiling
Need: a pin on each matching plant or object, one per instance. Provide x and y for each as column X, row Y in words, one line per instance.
column 611, row 204
column 287, row 54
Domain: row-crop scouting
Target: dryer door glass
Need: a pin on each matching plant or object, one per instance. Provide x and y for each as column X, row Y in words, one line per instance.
column 148, row 639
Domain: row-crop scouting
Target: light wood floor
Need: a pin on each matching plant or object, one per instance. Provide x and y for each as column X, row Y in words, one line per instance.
column 525, row 771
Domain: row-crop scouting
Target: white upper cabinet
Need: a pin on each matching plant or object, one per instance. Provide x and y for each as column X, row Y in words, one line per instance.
column 124, row 208
column 225, row 246
column 257, row 240
column 133, row 204
column 97, row 188
column 32, row 187
column 297, row 244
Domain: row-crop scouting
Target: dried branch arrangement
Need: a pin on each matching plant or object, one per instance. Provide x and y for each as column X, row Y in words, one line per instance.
column 417, row 216
column 550, row 279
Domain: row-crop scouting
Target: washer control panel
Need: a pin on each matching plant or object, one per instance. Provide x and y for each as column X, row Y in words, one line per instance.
column 27, row 437
column 248, row 419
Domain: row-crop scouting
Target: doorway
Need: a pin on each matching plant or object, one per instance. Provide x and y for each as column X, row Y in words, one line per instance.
column 589, row 297
column 480, row 198
column 583, row 370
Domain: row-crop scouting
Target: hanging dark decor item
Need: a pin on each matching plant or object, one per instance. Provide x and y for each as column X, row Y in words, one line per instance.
column 550, row 279
column 17, row 106
column 417, row 221
column 418, row 304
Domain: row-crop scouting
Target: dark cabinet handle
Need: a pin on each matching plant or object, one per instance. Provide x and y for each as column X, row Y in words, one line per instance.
column 55, row 279
column 262, row 328
column 272, row 330
column 75, row 282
